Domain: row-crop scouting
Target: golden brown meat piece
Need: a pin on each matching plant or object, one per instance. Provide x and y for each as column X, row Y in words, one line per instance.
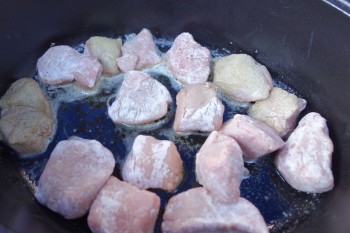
column 242, row 78
column 107, row 51
column 279, row 111
column 27, row 121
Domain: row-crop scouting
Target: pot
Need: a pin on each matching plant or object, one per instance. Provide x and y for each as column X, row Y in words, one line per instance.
column 304, row 44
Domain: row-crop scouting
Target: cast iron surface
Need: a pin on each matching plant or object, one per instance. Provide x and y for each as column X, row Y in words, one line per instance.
column 304, row 44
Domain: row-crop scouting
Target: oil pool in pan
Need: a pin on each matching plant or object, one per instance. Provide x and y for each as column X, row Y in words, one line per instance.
column 84, row 114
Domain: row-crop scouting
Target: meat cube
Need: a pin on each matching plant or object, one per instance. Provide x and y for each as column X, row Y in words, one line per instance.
column 219, row 167
column 121, row 207
column 63, row 64
column 195, row 211
column 279, row 111
column 254, row 137
column 242, row 78
column 139, row 53
column 107, row 51
column 141, row 100
column 153, row 163
column 73, row 176
column 188, row 61
column 27, row 120
column 306, row 159
column 198, row 109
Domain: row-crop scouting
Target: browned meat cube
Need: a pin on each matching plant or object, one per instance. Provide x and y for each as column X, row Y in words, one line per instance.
column 254, row 137
column 198, row 109
column 306, row 159
column 63, row 64
column 188, row 61
column 106, row 50
column 153, row 163
column 219, row 167
column 279, row 111
column 139, row 53
column 73, row 176
column 141, row 99
column 195, row 211
column 242, row 78
column 122, row 208
column 27, row 121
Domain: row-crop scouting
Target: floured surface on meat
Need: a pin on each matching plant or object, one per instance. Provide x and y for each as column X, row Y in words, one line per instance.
column 196, row 211
column 139, row 52
column 73, row 176
column 279, row 111
column 63, row 64
column 254, row 137
column 188, row 61
column 219, row 167
column 198, row 109
column 122, row 208
column 27, row 121
column 141, row 99
column 306, row 159
column 153, row 163
column 107, row 51
column 242, row 78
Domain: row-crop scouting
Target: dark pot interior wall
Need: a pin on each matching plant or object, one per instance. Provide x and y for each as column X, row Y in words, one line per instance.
column 305, row 43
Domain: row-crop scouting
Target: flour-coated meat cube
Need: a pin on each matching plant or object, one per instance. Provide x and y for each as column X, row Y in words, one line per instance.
column 242, row 78
column 188, row 61
column 139, row 53
column 73, row 176
column 141, row 99
column 254, row 137
column 26, row 119
column 63, row 64
column 306, row 159
column 106, row 50
column 280, row 110
column 198, row 109
column 122, row 208
column 196, row 211
column 153, row 163
column 219, row 167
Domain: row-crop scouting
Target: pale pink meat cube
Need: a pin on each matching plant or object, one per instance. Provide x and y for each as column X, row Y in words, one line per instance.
column 280, row 110
column 73, row 176
column 306, row 159
column 139, row 52
column 141, row 99
column 63, row 64
column 153, row 163
column 254, row 137
column 188, row 61
column 127, row 62
column 195, row 211
column 198, row 109
column 219, row 167
column 122, row 208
